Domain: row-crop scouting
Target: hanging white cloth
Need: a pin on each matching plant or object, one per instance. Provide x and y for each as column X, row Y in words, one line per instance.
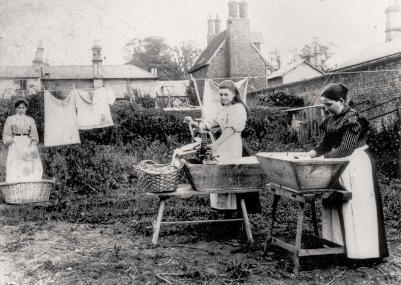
column 211, row 101
column 242, row 86
column 61, row 125
column 93, row 108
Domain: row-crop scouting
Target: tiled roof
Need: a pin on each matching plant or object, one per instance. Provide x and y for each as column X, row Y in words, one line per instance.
column 377, row 51
column 19, row 72
column 209, row 52
column 86, row 72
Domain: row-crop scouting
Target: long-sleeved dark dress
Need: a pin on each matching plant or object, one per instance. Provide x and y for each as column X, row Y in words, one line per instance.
column 344, row 135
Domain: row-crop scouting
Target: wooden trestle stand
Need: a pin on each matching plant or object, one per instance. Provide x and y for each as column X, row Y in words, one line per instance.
column 163, row 197
column 302, row 197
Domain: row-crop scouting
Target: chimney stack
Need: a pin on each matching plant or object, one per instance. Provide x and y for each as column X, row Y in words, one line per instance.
column 243, row 10
column 393, row 20
column 217, row 25
column 38, row 59
column 238, row 40
column 210, row 29
column 97, row 61
column 97, row 66
column 233, row 9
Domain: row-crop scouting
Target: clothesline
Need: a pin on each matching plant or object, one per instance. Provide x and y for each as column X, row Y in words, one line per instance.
column 223, row 78
column 325, row 74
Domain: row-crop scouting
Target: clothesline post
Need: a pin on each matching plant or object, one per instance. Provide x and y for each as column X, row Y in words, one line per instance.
column 399, row 137
column 196, row 90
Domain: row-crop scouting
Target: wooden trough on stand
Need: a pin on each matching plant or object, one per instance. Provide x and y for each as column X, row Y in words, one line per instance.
column 303, row 180
column 238, row 176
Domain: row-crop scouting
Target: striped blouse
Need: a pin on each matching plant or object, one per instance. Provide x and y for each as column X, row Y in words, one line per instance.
column 342, row 134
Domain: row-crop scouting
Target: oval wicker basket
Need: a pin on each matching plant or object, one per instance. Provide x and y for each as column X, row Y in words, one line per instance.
column 154, row 177
column 26, row 192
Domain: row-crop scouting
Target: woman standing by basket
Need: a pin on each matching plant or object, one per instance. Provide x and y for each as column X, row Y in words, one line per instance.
column 345, row 134
column 231, row 119
column 21, row 135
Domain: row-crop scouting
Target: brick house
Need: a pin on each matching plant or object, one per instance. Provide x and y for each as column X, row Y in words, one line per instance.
column 232, row 53
column 25, row 80
column 373, row 77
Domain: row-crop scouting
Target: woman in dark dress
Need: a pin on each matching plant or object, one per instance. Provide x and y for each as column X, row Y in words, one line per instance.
column 344, row 135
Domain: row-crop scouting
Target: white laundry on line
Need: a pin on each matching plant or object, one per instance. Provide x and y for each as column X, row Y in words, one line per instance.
column 93, row 108
column 61, row 126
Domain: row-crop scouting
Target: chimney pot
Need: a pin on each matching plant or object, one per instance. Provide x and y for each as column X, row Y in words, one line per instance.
column 393, row 20
column 233, row 9
column 210, row 25
column 217, row 25
column 243, row 10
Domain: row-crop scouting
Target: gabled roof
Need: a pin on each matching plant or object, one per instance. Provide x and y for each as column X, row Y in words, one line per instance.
column 209, row 52
column 19, row 72
column 260, row 54
column 86, row 72
column 286, row 69
column 373, row 52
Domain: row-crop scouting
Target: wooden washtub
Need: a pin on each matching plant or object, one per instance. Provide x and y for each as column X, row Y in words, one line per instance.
column 300, row 174
column 239, row 173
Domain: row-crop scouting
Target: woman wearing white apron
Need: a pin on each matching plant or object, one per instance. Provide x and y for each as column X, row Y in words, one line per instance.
column 345, row 136
column 21, row 135
column 231, row 119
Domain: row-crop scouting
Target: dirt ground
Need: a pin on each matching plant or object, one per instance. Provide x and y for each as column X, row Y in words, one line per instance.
column 66, row 253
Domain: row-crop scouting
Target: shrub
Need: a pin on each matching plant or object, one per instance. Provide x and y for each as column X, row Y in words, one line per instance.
column 282, row 99
column 385, row 146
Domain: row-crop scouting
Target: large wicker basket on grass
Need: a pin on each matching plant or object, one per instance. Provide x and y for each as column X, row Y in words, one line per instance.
column 26, row 192
column 154, row 177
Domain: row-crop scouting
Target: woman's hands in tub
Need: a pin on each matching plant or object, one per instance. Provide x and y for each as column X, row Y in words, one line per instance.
column 305, row 155
column 188, row 120
column 302, row 155
column 212, row 148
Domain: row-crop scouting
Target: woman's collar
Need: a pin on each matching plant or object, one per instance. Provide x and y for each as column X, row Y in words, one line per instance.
column 344, row 110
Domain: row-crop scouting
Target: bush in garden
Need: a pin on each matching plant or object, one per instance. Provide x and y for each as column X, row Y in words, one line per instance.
column 281, row 99
column 385, row 146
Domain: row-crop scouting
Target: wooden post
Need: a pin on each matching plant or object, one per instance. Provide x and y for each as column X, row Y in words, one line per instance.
column 273, row 217
column 298, row 239
column 399, row 137
column 196, row 90
column 156, row 229
column 314, row 219
column 246, row 221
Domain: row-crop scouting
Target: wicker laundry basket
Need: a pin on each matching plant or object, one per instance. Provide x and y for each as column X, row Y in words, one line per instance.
column 26, row 192
column 154, row 177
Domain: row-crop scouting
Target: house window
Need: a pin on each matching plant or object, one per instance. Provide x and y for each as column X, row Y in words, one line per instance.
column 23, row 85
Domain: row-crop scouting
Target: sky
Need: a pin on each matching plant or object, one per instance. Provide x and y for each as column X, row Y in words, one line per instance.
column 69, row 28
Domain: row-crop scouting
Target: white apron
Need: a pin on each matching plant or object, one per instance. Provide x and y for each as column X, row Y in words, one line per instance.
column 360, row 214
column 23, row 161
